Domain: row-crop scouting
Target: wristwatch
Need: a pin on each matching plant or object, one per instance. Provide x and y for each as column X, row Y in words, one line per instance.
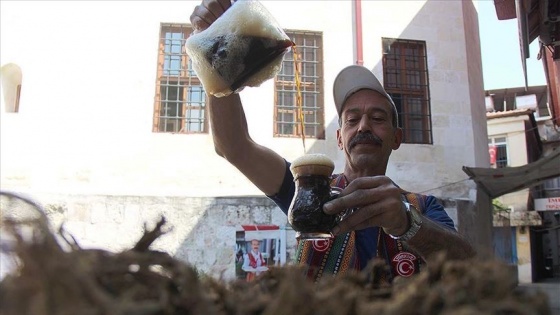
column 415, row 220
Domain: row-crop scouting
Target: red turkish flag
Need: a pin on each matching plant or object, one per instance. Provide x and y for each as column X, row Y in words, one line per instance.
column 492, row 152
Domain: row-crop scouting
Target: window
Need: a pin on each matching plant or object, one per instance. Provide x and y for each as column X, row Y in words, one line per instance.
column 405, row 76
column 309, row 49
column 10, row 78
column 497, row 147
column 552, row 185
column 180, row 98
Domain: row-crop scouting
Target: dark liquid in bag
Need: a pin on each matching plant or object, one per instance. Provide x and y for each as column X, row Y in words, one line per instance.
column 237, row 58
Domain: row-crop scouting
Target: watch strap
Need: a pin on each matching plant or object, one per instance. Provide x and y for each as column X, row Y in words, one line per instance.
column 415, row 221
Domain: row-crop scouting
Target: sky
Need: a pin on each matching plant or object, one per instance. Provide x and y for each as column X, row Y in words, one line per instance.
column 501, row 57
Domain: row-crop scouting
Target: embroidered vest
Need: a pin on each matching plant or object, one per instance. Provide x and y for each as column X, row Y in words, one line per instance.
column 338, row 255
column 253, row 261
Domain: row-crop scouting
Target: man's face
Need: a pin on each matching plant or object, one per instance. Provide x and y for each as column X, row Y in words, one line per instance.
column 255, row 245
column 367, row 135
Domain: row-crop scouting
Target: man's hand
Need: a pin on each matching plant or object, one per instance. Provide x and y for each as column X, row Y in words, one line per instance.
column 377, row 202
column 207, row 12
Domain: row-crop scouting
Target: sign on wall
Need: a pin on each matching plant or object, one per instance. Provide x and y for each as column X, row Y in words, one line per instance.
column 547, row 204
column 259, row 247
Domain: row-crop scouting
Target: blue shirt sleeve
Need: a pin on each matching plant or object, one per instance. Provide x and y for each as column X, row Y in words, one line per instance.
column 435, row 212
column 286, row 193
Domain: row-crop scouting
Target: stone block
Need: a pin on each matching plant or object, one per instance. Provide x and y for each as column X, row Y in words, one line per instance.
column 115, row 212
column 78, row 211
column 132, row 213
column 525, row 218
column 98, row 212
column 517, row 218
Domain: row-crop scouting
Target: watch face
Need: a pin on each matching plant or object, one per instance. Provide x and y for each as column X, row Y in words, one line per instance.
column 416, row 215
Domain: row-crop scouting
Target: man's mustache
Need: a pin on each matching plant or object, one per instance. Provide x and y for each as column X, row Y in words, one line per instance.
column 365, row 138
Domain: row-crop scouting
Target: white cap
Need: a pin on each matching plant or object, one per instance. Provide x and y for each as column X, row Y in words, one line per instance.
column 352, row 79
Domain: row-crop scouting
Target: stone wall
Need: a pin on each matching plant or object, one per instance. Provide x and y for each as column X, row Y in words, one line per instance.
column 202, row 231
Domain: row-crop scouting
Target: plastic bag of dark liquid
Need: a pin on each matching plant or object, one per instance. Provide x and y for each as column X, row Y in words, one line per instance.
column 243, row 47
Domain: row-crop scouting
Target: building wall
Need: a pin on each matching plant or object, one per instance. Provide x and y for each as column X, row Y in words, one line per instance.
column 481, row 214
column 513, row 128
column 524, row 263
column 450, row 89
column 89, row 72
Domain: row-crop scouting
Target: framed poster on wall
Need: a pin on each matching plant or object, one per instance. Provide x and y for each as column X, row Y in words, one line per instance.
column 258, row 247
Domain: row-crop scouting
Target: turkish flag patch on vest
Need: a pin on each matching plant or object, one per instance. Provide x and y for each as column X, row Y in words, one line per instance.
column 404, row 264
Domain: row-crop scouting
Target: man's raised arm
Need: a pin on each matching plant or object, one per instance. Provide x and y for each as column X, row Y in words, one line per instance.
column 262, row 166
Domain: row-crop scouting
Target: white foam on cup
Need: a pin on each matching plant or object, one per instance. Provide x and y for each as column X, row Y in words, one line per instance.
column 313, row 163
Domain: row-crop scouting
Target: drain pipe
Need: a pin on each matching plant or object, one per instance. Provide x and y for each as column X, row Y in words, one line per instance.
column 359, row 54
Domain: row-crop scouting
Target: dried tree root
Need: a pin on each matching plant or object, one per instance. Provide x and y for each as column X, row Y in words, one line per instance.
column 51, row 280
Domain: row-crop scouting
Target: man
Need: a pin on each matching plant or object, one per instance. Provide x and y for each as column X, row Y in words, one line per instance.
column 253, row 261
column 383, row 224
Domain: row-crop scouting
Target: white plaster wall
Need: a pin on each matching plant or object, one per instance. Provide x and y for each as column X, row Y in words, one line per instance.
column 513, row 128
column 87, row 97
column 87, row 102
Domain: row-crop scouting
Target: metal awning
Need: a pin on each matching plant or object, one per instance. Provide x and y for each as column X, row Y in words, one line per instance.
column 500, row 181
